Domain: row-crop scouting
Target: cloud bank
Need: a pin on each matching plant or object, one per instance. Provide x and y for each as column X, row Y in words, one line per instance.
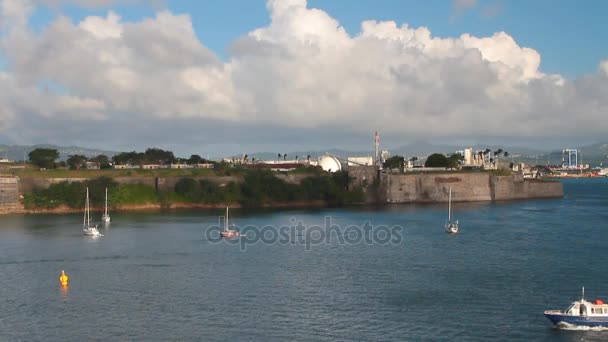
column 303, row 73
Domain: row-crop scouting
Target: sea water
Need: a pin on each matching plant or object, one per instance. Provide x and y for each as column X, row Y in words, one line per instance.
column 166, row 276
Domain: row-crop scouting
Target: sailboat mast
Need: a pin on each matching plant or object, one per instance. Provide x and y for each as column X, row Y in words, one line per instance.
column 84, row 219
column 226, row 223
column 106, row 211
column 88, row 209
column 450, row 206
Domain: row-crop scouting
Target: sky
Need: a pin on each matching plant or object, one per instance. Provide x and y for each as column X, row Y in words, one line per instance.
column 230, row 77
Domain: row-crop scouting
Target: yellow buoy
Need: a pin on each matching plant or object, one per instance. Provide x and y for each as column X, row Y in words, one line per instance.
column 63, row 280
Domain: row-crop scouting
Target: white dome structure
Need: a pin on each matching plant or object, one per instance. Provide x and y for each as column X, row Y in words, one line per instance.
column 330, row 164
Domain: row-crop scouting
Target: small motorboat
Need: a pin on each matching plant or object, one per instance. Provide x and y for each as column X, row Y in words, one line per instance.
column 581, row 313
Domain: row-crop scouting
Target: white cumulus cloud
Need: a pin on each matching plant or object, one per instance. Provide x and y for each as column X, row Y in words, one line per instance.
column 303, row 72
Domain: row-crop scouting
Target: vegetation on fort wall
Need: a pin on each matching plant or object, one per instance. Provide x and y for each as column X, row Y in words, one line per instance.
column 258, row 187
column 72, row 194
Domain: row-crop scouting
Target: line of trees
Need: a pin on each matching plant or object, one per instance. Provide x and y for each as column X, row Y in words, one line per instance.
column 434, row 160
column 488, row 153
column 47, row 159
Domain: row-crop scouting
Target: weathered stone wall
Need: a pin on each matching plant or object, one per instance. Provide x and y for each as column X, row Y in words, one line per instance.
column 168, row 183
column 466, row 187
column 9, row 193
column 161, row 183
column 26, row 185
column 362, row 175
column 394, row 188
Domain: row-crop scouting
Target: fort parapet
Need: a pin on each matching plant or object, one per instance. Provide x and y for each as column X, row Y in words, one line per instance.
column 466, row 187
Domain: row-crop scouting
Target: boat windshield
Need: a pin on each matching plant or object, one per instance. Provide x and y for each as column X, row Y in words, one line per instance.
column 572, row 310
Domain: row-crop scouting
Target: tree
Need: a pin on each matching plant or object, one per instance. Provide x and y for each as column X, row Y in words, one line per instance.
column 44, row 157
column 285, row 156
column 76, row 161
column 103, row 160
column 506, row 154
column 279, row 156
column 195, row 159
column 158, row 156
column 455, row 160
column 394, row 162
column 128, row 158
column 436, row 160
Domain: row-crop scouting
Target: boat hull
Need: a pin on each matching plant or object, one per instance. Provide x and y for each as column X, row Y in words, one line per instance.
column 451, row 228
column 593, row 321
column 92, row 231
column 230, row 234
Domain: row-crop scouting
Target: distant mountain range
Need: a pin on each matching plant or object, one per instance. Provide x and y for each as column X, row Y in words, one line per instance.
column 594, row 154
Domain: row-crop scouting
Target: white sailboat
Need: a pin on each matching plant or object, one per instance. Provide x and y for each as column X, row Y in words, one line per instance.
column 87, row 228
column 227, row 232
column 451, row 227
column 106, row 217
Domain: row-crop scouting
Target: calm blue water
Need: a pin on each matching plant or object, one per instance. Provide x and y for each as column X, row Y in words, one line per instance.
column 155, row 277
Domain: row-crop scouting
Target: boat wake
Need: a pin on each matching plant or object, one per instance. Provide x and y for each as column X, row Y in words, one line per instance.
column 572, row 327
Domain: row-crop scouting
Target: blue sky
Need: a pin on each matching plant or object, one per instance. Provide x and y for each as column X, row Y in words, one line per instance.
column 569, row 35
column 298, row 83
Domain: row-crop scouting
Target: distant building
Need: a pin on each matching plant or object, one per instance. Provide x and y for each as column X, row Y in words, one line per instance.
column 126, row 166
column 92, row 165
column 180, row 166
column 150, row 166
column 519, row 167
column 6, row 161
column 274, row 166
column 473, row 159
column 330, row 163
column 203, row 166
column 384, row 155
column 360, row 161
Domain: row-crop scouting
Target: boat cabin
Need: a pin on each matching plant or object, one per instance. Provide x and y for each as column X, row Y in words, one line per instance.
column 586, row 308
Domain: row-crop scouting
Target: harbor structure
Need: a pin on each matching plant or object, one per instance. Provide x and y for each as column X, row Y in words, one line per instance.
column 377, row 161
column 330, row 163
column 570, row 158
column 360, row 161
